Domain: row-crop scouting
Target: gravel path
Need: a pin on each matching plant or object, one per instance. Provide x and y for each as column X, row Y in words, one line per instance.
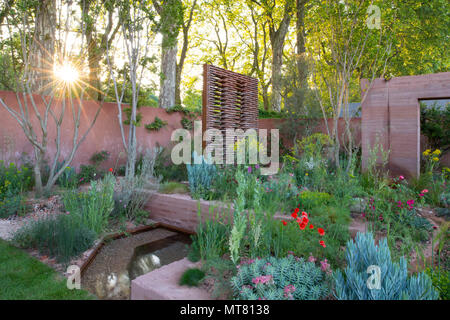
column 8, row 227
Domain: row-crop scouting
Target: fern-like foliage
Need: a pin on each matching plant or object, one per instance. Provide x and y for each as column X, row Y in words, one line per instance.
column 283, row 279
column 200, row 175
column 394, row 281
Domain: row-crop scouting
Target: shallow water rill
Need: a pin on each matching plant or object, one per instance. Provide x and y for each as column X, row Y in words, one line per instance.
column 119, row 261
column 151, row 256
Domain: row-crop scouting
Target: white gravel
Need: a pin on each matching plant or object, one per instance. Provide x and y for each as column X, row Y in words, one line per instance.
column 8, row 227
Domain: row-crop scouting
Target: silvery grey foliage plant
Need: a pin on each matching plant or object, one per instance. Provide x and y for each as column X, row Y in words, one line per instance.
column 395, row 284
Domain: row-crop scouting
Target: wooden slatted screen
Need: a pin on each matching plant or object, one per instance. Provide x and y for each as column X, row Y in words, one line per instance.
column 230, row 100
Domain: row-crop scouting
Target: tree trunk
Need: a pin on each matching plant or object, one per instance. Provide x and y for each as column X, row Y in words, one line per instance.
column 168, row 75
column 171, row 13
column 277, row 62
column 37, row 172
column 43, row 47
column 300, row 28
column 265, row 96
column 277, row 40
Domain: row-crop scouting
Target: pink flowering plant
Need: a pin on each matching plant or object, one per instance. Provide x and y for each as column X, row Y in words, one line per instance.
column 289, row 278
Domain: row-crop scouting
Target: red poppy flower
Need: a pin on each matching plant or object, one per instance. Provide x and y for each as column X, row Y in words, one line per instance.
column 294, row 215
column 321, row 231
column 302, row 226
column 284, row 222
column 305, row 220
column 304, row 214
column 296, row 210
column 322, row 243
column 311, row 226
column 110, row 169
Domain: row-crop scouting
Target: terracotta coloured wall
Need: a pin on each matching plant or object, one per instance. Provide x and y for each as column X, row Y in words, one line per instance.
column 391, row 112
column 105, row 135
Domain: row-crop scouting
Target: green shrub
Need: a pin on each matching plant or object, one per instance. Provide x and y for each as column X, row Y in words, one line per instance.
column 165, row 168
column 13, row 182
column 441, row 281
column 87, row 173
column 192, row 277
column 11, row 205
column 289, row 278
column 311, row 199
column 156, row 124
column 394, row 284
column 93, row 207
column 68, row 178
column 62, row 236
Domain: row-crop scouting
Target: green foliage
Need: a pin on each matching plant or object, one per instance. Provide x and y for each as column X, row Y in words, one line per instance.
column 264, row 114
column 187, row 124
column 395, row 283
column 60, row 236
column 177, row 108
column 156, row 124
column 194, row 251
column 311, row 199
column 239, row 220
column 211, row 236
column 11, row 205
column 335, row 220
column 68, row 178
column 224, row 185
column 288, row 278
column 278, row 191
column 87, row 173
column 435, row 125
column 13, row 182
column 173, row 187
column 134, row 192
column 93, row 207
column 192, row 277
column 201, row 174
column 127, row 121
column 165, row 168
column 441, row 281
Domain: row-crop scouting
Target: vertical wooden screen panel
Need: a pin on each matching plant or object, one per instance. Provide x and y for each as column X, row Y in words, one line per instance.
column 230, row 100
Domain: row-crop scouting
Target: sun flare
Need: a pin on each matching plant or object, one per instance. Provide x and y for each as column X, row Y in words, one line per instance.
column 66, row 73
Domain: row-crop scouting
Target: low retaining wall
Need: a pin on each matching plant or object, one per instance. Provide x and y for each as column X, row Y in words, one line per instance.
column 181, row 211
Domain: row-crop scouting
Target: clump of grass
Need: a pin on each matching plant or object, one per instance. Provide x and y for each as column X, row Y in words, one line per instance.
column 192, row 277
column 174, row 187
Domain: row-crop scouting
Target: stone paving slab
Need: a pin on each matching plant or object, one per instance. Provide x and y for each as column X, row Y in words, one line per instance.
column 162, row 284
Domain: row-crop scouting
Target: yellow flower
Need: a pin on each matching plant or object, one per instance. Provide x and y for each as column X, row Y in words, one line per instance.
column 437, row 152
column 426, row 152
column 306, row 174
column 435, row 159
